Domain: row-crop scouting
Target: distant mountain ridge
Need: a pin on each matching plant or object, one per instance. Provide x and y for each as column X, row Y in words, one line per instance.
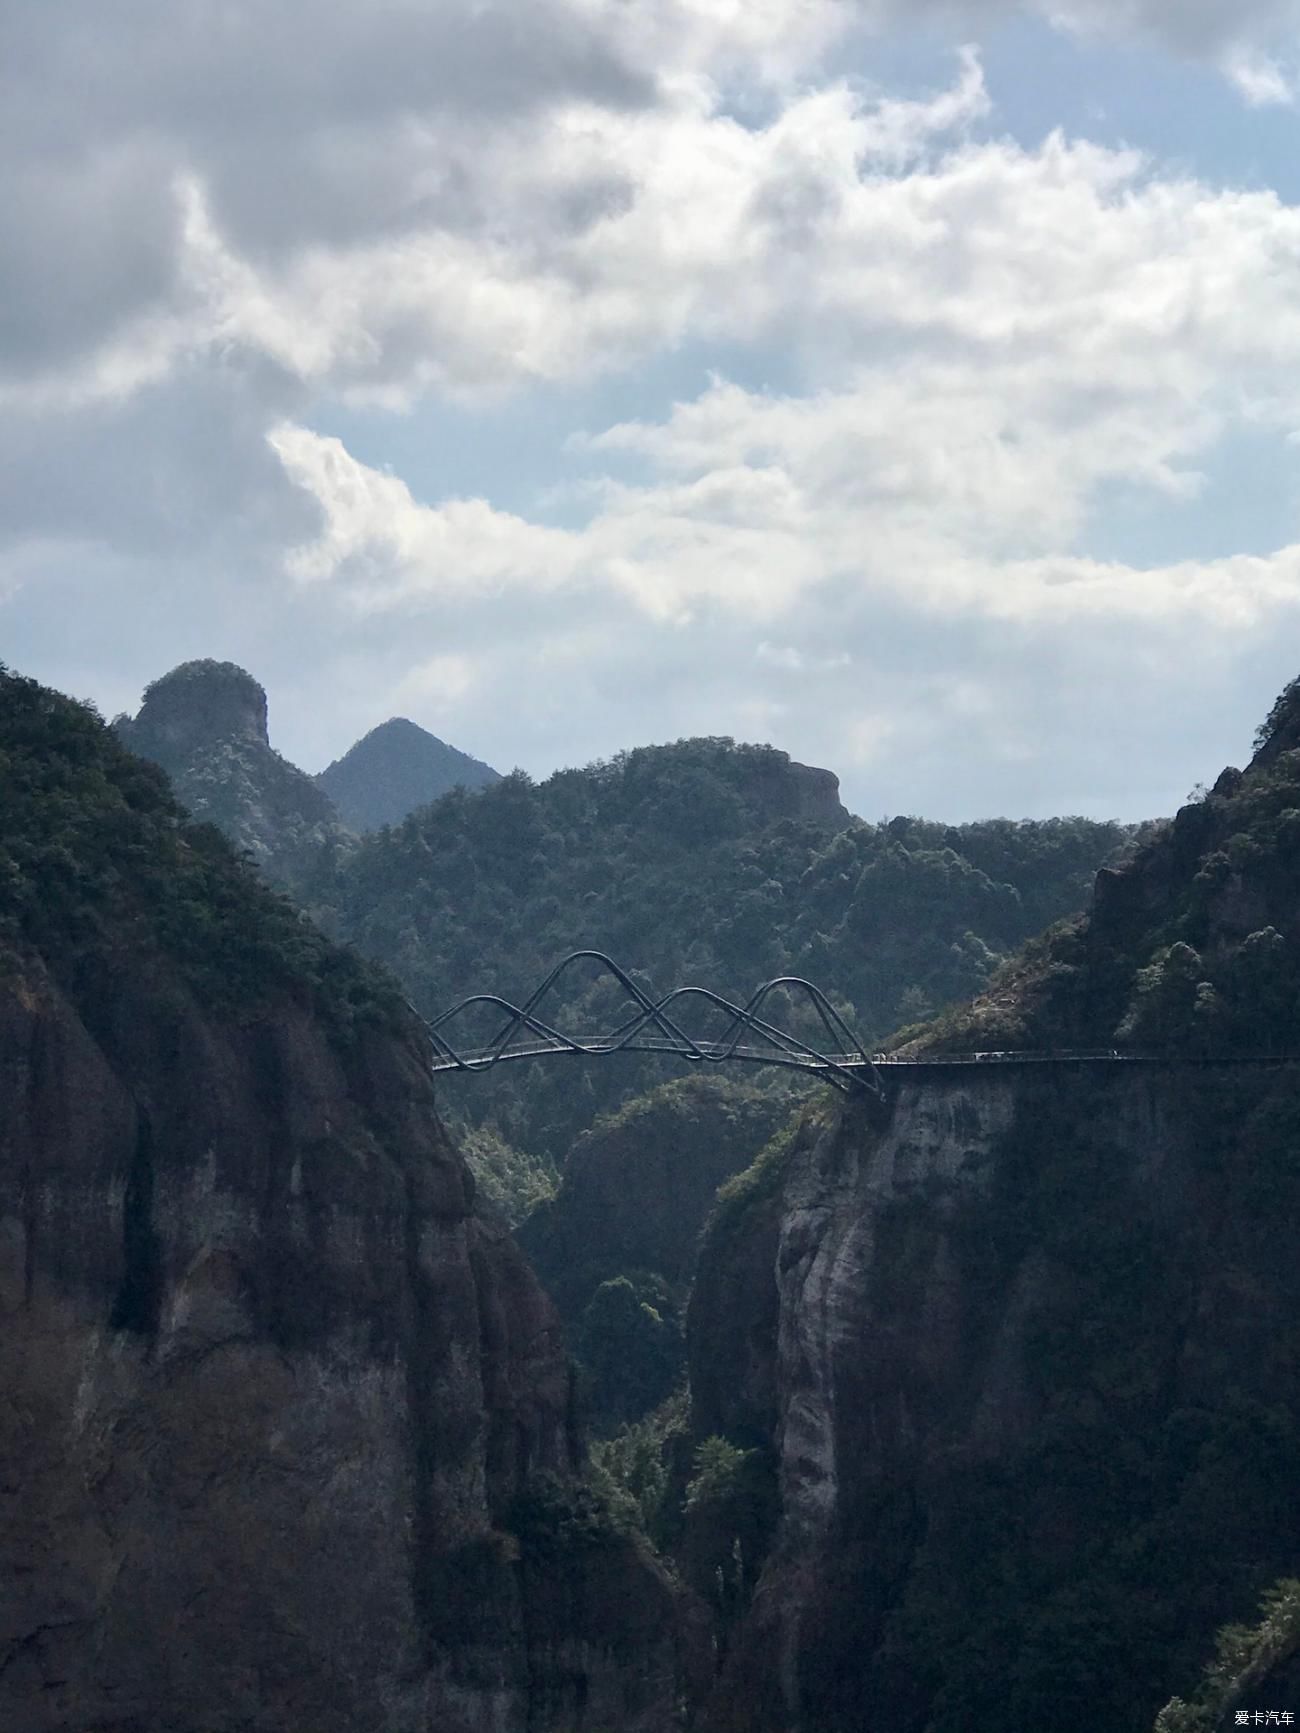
column 395, row 769
column 205, row 724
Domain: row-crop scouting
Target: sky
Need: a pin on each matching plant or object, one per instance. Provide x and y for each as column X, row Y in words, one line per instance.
column 914, row 386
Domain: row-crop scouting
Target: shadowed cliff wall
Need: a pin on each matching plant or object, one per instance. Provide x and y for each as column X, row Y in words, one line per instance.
column 285, row 1434
column 273, row 1395
column 1027, row 1359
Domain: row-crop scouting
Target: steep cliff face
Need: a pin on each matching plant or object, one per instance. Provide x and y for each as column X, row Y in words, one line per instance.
column 639, row 1185
column 1028, row 1359
column 615, row 1248
column 782, row 788
column 205, row 724
column 286, row 1440
column 1028, row 1356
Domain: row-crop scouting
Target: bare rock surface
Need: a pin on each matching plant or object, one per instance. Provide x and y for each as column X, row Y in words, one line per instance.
column 205, row 724
column 1004, row 1350
column 273, row 1396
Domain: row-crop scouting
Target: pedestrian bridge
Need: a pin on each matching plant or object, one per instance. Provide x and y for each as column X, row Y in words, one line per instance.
column 745, row 1035
column 742, row 1033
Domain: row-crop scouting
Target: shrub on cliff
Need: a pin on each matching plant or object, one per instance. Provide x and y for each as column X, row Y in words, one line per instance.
column 558, row 1516
column 513, row 1182
column 1245, row 1657
column 636, row 1464
column 631, row 1349
column 730, row 1512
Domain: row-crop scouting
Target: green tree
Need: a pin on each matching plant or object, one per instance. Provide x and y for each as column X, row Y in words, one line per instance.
column 631, row 1351
column 1245, row 1656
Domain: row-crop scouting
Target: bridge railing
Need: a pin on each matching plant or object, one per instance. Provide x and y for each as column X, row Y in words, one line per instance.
column 654, row 1025
column 746, row 1034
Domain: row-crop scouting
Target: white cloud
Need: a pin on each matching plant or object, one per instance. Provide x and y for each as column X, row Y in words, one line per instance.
column 1011, row 331
column 895, row 133
column 1207, row 27
column 755, row 543
column 1261, row 80
column 793, row 661
column 431, row 200
column 441, row 681
column 1223, row 32
column 355, row 190
column 387, row 547
column 215, row 226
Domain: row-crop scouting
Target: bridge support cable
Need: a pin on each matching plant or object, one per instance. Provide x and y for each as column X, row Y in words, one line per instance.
column 654, row 1026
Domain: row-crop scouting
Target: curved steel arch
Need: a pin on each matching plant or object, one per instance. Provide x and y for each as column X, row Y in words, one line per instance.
column 653, row 1029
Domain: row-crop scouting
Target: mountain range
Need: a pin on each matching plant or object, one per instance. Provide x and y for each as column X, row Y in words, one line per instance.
column 971, row 1403
column 205, row 723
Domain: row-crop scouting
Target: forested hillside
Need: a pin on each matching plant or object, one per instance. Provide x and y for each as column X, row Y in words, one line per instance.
column 97, row 856
column 706, row 862
column 1017, row 1365
column 1193, row 946
column 287, row 1435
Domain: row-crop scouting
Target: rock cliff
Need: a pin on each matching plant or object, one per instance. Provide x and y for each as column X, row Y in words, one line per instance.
column 1026, row 1360
column 782, row 788
column 286, row 1441
column 638, row 1186
column 205, row 724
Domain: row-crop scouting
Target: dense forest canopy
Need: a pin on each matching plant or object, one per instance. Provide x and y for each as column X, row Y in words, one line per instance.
column 1193, row 946
column 98, row 861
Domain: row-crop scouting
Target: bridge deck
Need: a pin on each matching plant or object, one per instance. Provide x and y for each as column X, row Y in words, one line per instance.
column 658, row 1026
column 599, row 1046
column 828, row 1065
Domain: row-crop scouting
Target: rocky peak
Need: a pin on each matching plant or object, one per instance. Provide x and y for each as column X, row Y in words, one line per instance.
column 779, row 788
column 205, row 724
column 1280, row 730
column 816, row 796
column 197, row 705
column 398, row 732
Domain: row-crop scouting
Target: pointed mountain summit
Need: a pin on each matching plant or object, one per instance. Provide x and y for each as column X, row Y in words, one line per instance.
column 396, row 768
